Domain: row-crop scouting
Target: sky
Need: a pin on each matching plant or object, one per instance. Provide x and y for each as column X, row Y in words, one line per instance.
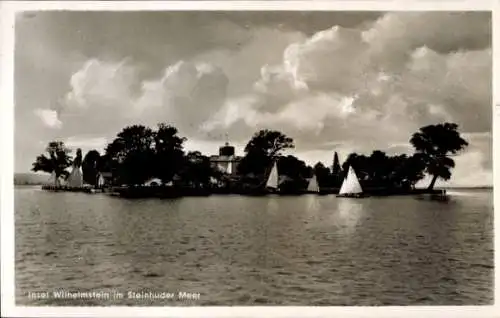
column 333, row 81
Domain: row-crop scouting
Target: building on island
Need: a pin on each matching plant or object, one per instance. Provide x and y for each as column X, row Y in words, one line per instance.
column 226, row 161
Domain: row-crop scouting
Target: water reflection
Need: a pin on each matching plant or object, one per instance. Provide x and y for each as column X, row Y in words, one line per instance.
column 312, row 203
column 349, row 214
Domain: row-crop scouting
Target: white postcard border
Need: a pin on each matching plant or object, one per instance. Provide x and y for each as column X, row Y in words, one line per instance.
column 8, row 10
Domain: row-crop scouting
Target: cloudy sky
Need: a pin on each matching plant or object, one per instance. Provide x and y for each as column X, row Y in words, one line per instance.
column 334, row 81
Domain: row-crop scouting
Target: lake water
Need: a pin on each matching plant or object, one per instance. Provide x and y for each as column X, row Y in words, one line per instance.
column 235, row 250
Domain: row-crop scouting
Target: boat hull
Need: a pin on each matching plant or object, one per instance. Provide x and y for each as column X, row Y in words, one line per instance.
column 353, row 195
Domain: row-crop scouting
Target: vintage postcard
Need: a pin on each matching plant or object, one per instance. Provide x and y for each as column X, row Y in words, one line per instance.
column 236, row 159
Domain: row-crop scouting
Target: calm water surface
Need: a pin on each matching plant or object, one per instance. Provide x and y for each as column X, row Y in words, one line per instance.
column 235, row 250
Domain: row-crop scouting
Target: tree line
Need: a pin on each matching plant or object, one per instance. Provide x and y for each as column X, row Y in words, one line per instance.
column 139, row 153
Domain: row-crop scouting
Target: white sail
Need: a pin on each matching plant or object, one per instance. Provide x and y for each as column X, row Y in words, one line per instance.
column 272, row 181
column 351, row 183
column 313, row 184
column 153, row 182
column 229, row 169
column 100, row 180
column 75, row 179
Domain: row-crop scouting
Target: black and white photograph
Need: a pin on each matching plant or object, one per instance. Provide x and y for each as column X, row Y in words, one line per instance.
column 253, row 158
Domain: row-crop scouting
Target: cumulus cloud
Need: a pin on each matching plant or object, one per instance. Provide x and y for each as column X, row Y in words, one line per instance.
column 113, row 95
column 419, row 81
column 444, row 32
column 101, row 84
column 48, row 117
column 186, row 95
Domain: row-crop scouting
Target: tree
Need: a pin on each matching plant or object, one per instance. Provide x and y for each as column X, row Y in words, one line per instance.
column 378, row 168
column 254, row 162
column 197, row 170
column 269, row 142
column 90, row 167
column 57, row 161
column 360, row 163
column 293, row 167
column 322, row 174
column 78, row 158
column 104, row 164
column 264, row 147
column 132, row 154
column 413, row 167
column 169, row 152
column 435, row 143
column 336, row 175
column 336, row 165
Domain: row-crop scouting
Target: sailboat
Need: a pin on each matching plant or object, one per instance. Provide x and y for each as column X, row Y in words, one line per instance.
column 100, row 181
column 273, row 179
column 313, row 186
column 75, row 179
column 351, row 187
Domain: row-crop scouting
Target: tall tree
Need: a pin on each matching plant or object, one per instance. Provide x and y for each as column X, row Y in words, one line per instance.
column 197, row 170
column 336, row 165
column 90, row 167
column 435, row 143
column 57, row 160
column 322, row 174
column 254, row 162
column 413, row 169
column 378, row 167
column 169, row 152
column 269, row 142
column 77, row 162
column 132, row 154
column 264, row 147
column 336, row 176
column 293, row 167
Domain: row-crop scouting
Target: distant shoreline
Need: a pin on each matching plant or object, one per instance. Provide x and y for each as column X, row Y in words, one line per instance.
column 444, row 188
column 37, row 179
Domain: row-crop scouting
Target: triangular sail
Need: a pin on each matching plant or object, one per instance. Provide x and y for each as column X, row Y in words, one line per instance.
column 351, row 183
column 75, row 179
column 153, row 182
column 100, row 180
column 272, row 181
column 313, row 184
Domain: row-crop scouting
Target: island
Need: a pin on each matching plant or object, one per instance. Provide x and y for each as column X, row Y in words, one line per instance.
column 146, row 162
